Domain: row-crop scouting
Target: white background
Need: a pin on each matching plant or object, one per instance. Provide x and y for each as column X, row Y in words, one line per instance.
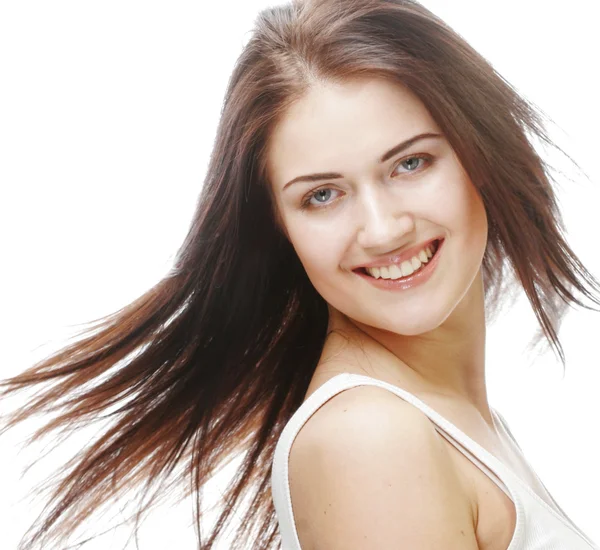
column 108, row 111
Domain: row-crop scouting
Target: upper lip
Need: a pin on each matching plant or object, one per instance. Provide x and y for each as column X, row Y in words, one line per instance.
column 397, row 259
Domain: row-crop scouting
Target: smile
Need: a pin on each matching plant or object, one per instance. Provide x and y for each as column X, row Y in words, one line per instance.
column 406, row 275
column 406, row 268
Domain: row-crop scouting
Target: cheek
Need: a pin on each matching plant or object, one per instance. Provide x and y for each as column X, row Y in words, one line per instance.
column 475, row 214
column 319, row 251
column 472, row 229
column 464, row 207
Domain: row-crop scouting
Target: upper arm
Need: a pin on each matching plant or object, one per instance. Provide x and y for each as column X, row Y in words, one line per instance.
column 368, row 470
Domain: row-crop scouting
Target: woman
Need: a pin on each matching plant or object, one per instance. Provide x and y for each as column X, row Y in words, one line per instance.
column 280, row 333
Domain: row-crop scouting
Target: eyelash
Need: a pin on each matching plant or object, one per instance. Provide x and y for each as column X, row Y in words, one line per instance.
column 305, row 205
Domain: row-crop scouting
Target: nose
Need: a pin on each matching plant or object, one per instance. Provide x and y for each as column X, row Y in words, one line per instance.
column 383, row 223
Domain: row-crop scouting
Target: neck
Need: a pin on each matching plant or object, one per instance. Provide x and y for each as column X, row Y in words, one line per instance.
column 448, row 361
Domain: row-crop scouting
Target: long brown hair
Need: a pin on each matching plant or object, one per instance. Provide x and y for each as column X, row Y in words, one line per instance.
column 213, row 360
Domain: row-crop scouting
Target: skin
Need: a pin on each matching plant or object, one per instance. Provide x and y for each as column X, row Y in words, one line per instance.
column 429, row 339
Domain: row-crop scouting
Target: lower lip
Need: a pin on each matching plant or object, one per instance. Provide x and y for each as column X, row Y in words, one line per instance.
column 419, row 278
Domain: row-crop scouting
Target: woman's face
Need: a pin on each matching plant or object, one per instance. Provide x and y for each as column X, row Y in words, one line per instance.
column 373, row 209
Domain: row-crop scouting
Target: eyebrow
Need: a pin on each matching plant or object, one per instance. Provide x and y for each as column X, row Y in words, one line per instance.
column 386, row 156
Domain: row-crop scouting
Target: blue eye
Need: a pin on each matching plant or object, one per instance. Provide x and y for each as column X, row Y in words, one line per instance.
column 325, row 192
column 318, row 194
column 321, row 194
column 422, row 157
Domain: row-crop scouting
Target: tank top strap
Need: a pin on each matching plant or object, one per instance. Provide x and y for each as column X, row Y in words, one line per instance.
column 495, row 469
column 280, row 489
column 533, row 515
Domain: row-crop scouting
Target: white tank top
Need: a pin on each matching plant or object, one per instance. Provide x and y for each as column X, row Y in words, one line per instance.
column 538, row 525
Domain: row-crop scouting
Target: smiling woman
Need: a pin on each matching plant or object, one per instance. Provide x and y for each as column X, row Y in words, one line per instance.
column 379, row 213
column 372, row 191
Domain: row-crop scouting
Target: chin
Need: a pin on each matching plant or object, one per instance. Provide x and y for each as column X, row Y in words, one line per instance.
column 419, row 326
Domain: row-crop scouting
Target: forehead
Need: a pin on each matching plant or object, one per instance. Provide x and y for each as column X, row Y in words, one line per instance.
column 342, row 126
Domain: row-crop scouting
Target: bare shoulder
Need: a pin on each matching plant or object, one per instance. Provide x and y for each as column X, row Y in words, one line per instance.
column 368, row 470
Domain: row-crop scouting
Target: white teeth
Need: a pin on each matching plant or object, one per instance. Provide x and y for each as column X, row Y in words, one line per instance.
column 394, row 272
column 406, row 268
